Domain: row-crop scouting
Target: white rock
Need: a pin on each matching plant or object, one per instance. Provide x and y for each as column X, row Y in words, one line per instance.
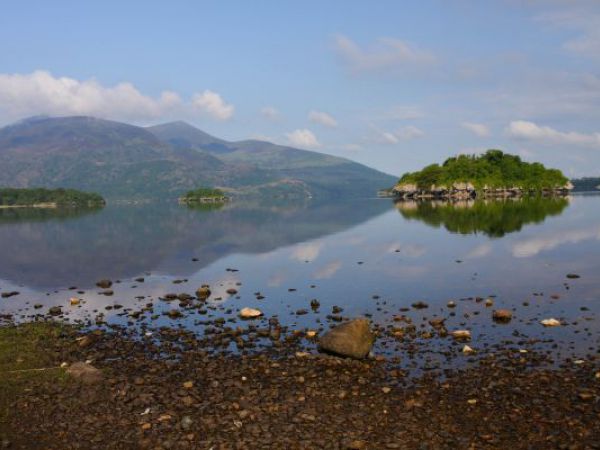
column 250, row 313
column 550, row 322
column 461, row 334
column 467, row 349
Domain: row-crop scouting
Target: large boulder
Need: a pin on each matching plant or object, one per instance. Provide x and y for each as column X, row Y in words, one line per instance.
column 84, row 372
column 353, row 339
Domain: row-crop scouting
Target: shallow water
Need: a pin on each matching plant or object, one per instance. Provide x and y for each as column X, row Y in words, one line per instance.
column 370, row 257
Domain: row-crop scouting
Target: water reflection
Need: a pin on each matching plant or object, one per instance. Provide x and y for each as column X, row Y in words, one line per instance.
column 14, row 215
column 492, row 217
column 126, row 240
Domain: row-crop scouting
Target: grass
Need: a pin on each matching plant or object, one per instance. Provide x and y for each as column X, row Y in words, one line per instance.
column 24, row 349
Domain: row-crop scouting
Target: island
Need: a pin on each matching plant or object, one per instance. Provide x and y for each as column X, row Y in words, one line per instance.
column 492, row 174
column 48, row 198
column 204, row 195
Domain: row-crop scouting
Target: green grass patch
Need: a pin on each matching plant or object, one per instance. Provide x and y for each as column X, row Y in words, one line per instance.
column 24, row 350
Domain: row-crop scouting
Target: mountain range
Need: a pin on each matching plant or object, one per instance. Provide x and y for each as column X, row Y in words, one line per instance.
column 122, row 161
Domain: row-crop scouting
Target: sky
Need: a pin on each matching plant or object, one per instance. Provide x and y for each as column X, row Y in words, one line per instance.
column 394, row 85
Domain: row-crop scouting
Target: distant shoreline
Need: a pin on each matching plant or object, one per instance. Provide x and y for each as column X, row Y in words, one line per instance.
column 35, row 205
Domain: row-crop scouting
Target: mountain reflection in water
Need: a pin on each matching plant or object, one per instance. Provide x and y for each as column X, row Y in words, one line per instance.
column 55, row 247
column 492, row 217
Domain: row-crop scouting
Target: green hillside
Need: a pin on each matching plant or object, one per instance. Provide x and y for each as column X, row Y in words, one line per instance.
column 121, row 161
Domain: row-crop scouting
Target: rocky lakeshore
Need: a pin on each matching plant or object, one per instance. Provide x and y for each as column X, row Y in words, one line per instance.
column 115, row 388
column 467, row 190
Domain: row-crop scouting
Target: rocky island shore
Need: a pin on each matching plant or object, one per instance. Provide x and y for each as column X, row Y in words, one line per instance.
column 492, row 175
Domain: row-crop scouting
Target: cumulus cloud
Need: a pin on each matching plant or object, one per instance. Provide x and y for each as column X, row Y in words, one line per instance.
column 303, row 138
column 521, row 129
column 270, row 113
column 478, row 129
column 213, row 104
column 403, row 134
column 322, row 118
column 40, row 92
column 387, row 55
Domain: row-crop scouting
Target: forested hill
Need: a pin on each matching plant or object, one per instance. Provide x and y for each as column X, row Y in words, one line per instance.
column 492, row 170
column 122, row 161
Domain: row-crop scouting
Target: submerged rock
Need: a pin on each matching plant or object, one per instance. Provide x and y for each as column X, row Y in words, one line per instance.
column 353, row 339
column 104, row 284
column 502, row 315
column 203, row 292
column 55, row 311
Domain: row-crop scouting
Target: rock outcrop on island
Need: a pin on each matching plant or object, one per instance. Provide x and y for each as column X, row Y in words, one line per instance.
column 493, row 174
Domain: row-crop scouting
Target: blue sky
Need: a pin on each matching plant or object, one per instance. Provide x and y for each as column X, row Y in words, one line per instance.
column 395, row 85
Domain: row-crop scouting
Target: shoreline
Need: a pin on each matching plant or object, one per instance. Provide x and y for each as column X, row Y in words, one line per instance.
column 35, row 205
column 170, row 390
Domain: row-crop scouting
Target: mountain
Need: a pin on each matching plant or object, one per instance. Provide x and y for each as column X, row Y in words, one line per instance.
column 587, row 184
column 122, row 161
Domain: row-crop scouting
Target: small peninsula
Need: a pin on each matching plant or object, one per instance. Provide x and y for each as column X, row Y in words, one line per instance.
column 492, row 174
column 48, row 198
column 204, row 195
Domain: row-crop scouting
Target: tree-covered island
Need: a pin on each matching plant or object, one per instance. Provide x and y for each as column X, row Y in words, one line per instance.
column 204, row 195
column 492, row 174
column 48, row 198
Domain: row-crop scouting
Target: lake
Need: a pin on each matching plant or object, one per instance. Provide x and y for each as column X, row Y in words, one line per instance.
column 369, row 257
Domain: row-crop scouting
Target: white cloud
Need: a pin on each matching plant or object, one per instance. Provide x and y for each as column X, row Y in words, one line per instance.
column 387, row 55
column 521, row 129
column 41, row 93
column 270, row 113
column 303, row 138
column 213, row 104
column 403, row 134
column 322, row 118
column 478, row 129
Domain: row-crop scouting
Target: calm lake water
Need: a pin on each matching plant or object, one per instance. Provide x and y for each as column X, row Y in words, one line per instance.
column 369, row 257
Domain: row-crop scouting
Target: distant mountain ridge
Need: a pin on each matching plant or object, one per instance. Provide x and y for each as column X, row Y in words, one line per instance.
column 121, row 161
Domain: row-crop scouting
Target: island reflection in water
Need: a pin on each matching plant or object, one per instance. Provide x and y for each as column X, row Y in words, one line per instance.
column 492, row 217
column 362, row 256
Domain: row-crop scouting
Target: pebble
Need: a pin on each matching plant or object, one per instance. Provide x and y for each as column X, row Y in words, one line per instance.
column 550, row 322
column 250, row 313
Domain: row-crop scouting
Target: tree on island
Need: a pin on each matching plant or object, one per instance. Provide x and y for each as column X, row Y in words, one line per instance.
column 203, row 195
column 58, row 197
column 493, row 170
